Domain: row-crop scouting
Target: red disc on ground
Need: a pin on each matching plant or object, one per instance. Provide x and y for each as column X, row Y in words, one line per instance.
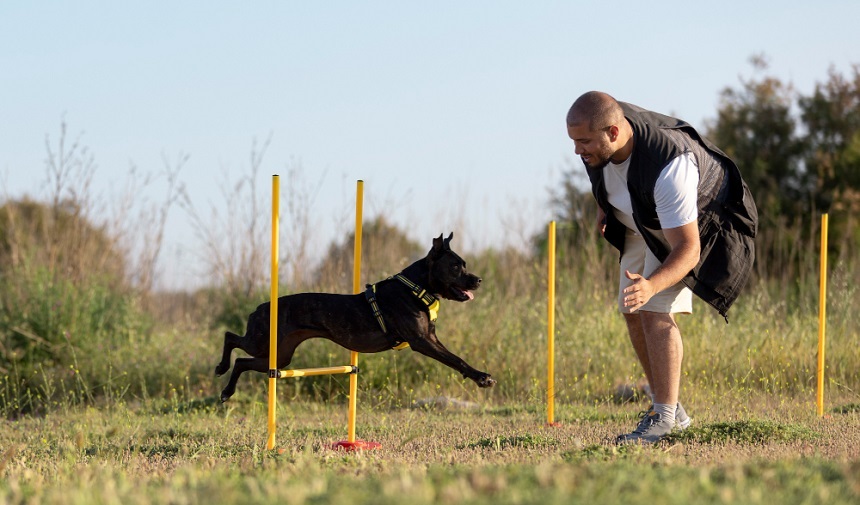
column 358, row 445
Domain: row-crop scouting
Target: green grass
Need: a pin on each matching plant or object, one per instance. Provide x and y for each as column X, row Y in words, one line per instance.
column 746, row 432
column 201, row 452
column 139, row 421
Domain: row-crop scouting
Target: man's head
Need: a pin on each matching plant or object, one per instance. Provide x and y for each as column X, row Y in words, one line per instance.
column 600, row 133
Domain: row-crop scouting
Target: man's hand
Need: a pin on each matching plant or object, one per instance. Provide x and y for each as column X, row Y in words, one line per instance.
column 601, row 221
column 684, row 254
column 637, row 294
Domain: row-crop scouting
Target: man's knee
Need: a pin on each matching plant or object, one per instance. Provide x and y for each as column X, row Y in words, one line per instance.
column 657, row 321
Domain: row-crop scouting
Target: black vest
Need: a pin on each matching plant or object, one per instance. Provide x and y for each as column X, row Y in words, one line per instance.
column 727, row 214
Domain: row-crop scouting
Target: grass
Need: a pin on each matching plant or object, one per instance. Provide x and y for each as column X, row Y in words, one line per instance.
column 202, row 452
column 747, row 432
column 137, row 421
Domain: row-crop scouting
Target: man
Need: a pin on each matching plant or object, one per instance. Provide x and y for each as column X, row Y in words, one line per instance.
column 677, row 209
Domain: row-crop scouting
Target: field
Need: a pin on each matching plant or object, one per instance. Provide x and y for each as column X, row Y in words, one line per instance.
column 137, row 420
column 200, row 452
column 148, row 427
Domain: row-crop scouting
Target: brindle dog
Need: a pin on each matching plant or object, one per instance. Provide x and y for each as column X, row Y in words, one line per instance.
column 349, row 320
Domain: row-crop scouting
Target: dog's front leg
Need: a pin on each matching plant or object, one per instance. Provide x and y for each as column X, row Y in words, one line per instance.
column 433, row 348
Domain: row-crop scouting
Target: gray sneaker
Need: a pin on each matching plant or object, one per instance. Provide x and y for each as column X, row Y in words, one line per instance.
column 682, row 420
column 651, row 429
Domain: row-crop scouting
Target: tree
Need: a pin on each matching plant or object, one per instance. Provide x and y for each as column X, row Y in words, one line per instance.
column 385, row 251
column 575, row 210
column 755, row 127
column 59, row 239
column 831, row 116
column 832, row 120
column 62, row 283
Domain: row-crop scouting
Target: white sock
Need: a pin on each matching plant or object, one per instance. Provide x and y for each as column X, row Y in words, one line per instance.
column 676, row 407
column 667, row 412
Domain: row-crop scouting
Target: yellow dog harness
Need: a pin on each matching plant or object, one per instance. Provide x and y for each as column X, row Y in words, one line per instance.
column 430, row 301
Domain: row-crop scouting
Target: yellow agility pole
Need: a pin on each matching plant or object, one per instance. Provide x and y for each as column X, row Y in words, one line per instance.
column 822, row 313
column 550, row 320
column 274, row 373
column 273, row 311
column 351, row 443
column 356, row 288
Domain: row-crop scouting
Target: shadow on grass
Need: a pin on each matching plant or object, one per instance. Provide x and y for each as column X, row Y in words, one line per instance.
column 745, row 432
column 208, row 404
column 520, row 441
column 603, row 452
column 851, row 408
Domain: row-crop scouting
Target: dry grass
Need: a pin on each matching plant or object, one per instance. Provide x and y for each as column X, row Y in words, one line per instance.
column 195, row 452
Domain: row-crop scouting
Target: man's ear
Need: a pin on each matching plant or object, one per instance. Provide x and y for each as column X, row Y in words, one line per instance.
column 613, row 133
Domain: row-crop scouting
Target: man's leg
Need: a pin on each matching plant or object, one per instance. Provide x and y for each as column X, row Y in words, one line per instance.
column 665, row 352
column 637, row 338
column 657, row 340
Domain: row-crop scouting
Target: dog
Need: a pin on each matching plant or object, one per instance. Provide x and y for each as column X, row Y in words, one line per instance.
column 394, row 312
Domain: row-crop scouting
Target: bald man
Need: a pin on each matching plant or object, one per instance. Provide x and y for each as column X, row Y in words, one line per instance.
column 677, row 209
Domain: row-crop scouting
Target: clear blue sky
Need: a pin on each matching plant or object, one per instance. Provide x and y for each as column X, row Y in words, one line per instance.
column 452, row 112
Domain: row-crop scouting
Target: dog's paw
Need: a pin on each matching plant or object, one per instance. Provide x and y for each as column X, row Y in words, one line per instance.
column 225, row 395
column 486, row 381
column 221, row 369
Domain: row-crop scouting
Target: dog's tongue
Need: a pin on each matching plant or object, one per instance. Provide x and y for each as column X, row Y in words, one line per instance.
column 469, row 294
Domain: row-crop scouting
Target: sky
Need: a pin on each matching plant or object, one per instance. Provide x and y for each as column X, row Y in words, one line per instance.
column 452, row 113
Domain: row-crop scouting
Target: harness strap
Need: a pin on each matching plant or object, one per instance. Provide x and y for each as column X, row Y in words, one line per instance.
column 370, row 294
column 429, row 300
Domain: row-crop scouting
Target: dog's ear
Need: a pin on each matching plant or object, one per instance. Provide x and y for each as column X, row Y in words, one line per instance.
column 447, row 243
column 438, row 243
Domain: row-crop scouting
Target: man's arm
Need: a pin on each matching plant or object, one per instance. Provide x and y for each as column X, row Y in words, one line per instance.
column 683, row 257
column 601, row 221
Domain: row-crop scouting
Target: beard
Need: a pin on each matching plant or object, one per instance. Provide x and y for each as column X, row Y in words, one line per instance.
column 596, row 165
column 600, row 155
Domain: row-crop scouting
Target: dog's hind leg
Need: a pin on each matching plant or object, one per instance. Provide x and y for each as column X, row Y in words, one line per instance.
column 255, row 341
column 243, row 365
column 286, row 349
column 230, row 343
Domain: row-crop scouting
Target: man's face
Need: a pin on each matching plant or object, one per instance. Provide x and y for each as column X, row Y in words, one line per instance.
column 593, row 147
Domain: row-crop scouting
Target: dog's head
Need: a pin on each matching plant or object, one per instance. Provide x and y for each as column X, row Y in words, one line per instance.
column 448, row 276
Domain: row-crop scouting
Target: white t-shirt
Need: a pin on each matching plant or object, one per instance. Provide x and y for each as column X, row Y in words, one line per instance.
column 675, row 193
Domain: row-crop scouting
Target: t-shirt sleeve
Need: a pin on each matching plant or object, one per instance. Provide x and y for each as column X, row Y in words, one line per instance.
column 676, row 192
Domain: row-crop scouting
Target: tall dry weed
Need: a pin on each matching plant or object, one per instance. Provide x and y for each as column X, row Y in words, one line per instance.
column 76, row 269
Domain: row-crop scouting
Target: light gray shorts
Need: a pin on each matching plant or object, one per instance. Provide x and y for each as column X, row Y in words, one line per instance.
column 637, row 258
